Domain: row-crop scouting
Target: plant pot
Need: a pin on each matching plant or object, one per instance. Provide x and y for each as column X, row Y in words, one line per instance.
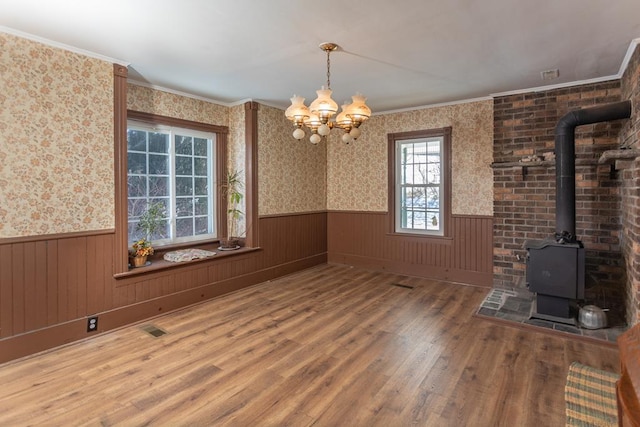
column 138, row 261
column 229, row 244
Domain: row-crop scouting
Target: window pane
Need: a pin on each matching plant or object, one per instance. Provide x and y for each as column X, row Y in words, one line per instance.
column 202, row 225
column 133, row 232
column 419, row 221
column 433, row 197
column 200, row 167
column 158, row 186
column 158, row 164
column 434, row 173
column 163, row 201
column 184, row 207
column 184, row 145
column 136, row 186
column 184, row 165
column 162, row 232
column 433, row 147
column 136, row 207
column 202, row 205
column 420, row 176
column 158, row 142
column 137, row 163
column 432, row 220
column 184, row 186
column 201, row 187
column 184, row 227
column 418, row 196
column 136, row 140
column 200, row 147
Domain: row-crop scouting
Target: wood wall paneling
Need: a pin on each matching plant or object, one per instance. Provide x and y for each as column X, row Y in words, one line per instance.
column 362, row 239
column 49, row 285
column 6, row 291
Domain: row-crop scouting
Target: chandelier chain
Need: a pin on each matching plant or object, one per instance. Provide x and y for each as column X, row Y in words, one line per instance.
column 328, row 69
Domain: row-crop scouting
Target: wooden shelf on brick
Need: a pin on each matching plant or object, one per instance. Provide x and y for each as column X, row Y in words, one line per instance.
column 622, row 159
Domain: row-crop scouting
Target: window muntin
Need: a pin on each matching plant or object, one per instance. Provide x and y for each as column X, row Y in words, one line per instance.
column 176, row 168
column 419, row 185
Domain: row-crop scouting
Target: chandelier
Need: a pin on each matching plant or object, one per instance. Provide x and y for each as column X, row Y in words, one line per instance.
column 317, row 117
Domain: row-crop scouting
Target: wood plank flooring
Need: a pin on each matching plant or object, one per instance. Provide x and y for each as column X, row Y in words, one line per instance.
column 329, row 346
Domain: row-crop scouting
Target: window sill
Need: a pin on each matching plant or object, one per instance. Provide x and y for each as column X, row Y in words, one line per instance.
column 159, row 264
column 447, row 240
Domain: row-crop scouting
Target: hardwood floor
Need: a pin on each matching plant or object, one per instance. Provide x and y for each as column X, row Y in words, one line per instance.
column 329, row 346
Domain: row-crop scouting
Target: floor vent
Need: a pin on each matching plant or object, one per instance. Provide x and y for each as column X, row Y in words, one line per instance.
column 400, row 285
column 152, row 330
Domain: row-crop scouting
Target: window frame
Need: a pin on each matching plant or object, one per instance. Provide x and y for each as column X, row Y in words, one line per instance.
column 394, row 181
column 120, row 169
column 172, row 132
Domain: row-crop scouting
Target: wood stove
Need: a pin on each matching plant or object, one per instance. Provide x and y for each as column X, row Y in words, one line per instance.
column 555, row 272
column 556, row 267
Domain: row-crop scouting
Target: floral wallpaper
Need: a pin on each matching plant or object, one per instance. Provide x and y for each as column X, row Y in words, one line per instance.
column 236, row 141
column 291, row 173
column 56, row 140
column 148, row 100
column 357, row 173
column 236, row 148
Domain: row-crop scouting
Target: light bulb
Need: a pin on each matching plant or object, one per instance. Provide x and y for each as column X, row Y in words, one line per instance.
column 298, row 133
column 346, row 138
column 324, row 130
column 315, row 138
column 355, row 133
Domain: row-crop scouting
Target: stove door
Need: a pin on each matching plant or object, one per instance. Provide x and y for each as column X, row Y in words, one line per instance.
column 557, row 271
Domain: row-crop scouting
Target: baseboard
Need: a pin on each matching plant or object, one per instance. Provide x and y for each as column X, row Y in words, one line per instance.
column 30, row 343
column 426, row 271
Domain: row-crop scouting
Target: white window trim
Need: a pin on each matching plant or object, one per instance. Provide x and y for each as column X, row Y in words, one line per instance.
column 211, row 151
column 399, row 186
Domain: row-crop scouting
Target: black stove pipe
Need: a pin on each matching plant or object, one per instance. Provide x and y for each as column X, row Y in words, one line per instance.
column 566, row 164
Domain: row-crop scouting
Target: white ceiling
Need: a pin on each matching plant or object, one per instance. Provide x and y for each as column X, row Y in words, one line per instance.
column 400, row 54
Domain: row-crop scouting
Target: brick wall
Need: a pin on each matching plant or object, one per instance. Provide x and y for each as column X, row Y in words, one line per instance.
column 630, row 209
column 524, row 197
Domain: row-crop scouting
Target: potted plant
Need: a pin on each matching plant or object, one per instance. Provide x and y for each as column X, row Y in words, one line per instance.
column 139, row 252
column 149, row 222
column 232, row 192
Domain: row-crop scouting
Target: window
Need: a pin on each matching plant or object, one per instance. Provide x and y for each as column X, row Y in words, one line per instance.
column 419, row 190
column 175, row 168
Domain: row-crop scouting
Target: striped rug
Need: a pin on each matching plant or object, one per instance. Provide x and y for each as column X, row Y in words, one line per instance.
column 590, row 395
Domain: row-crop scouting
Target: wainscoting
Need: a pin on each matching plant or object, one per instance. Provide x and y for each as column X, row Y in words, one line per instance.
column 49, row 285
column 362, row 239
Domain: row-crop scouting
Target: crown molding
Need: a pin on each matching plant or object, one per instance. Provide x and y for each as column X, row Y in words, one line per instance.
column 63, row 46
column 442, row 104
column 179, row 93
column 625, row 62
column 556, row 86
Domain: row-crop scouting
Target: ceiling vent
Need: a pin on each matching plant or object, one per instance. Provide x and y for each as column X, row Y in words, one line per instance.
column 550, row 74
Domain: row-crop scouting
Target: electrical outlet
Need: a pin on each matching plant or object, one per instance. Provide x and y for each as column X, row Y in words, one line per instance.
column 92, row 324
